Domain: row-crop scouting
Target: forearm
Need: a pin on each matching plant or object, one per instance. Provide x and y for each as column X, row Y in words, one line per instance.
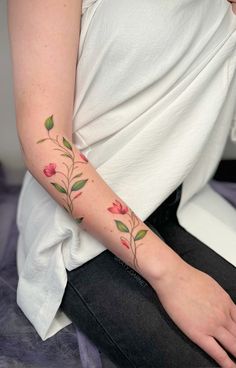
column 44, row 47
column 74, row 183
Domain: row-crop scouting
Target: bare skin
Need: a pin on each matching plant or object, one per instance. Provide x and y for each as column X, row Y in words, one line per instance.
column 233, row 3
column 44, row 40
column 70, row 178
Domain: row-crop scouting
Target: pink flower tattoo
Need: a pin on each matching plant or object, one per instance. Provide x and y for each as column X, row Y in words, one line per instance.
column 83, row 157
column 69, row 182
column 50, row 170
column 118, row 208
column 131, row 242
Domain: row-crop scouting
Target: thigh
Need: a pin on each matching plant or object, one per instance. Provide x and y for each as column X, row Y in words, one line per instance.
column 199, row 255
column 120, row 312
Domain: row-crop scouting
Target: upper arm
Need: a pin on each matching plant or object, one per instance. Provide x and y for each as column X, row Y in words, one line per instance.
column 44, row 39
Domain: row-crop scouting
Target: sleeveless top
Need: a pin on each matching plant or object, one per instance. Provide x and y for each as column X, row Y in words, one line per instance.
column 154, row 105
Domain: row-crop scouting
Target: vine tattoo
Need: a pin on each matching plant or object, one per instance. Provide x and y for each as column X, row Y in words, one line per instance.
column 69, row 177
column 130, row 243
column 70, row 183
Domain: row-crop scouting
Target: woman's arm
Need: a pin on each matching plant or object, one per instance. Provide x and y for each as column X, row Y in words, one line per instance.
column 44, row 39
column 44, row 42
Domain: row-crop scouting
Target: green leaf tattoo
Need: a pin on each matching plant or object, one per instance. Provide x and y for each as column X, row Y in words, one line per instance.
column 121, row 226
column 69, row 174
column 118, row 208
column 49, row 123
column 140, row 234
column 67, row 144
column 78, row 185
column 59, row 188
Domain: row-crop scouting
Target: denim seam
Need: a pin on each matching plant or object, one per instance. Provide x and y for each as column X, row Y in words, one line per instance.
column 103, row 328
column 131, row 272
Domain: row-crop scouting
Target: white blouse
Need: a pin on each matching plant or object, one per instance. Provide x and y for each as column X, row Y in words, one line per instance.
column 154, row 104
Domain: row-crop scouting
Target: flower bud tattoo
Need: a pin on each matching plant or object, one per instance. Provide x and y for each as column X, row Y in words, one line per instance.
column 69, row 183
column 129, row 243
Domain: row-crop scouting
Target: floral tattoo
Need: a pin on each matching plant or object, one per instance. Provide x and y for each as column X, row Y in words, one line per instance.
column 130, row 243
column 69, row 177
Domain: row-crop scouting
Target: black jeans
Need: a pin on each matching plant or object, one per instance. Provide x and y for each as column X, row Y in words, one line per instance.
column 120, row 312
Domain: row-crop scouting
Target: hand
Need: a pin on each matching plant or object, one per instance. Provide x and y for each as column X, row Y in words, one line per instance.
column 201, row 308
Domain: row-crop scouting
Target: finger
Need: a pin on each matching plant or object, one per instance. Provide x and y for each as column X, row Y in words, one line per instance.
column 233, row 313
column 227, row 340
column 231, row 327
column 211, row 347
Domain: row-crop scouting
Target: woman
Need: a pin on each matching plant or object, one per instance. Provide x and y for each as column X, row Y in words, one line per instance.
column 120, row 108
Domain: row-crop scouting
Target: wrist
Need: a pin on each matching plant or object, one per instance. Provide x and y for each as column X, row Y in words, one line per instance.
column 158, row 261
